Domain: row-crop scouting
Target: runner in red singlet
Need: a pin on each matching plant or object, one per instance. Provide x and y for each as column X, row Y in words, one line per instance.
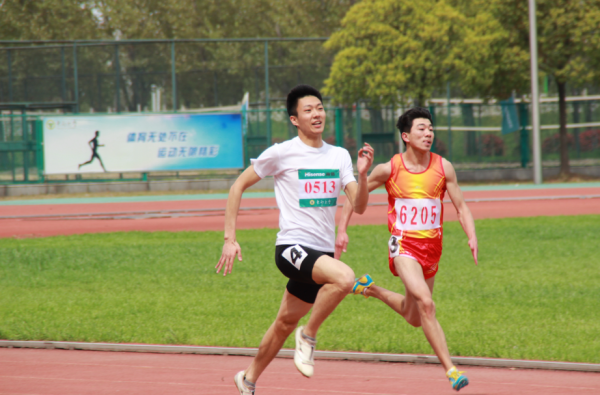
column 416, row 182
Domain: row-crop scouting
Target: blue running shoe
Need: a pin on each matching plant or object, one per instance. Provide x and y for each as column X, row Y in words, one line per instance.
column 457, row 379
column 361, row 284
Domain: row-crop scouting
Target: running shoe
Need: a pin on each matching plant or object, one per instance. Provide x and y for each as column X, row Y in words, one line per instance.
column 238, row 379
column 361, row 284
column 457, row 379
column 304, row 354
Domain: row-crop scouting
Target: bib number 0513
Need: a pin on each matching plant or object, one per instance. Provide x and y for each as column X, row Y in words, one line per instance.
column 318, row 187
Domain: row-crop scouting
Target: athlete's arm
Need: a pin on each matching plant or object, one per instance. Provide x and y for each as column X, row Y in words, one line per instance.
column 358, row 194
column 341, row 241
column 231, row 248
column 464, row 214
column 377, row 178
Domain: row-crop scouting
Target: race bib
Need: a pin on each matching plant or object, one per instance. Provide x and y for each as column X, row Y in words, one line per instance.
column 318, row 187
column 295, row 255
column 418, row 214
column 394, row 246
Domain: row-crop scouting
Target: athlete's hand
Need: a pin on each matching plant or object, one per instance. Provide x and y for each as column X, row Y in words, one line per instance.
column 365, row 158
column 474, row 248
column 230, row 250
column 341, row 242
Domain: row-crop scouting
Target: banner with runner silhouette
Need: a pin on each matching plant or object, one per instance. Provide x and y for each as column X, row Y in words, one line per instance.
column 123, row 143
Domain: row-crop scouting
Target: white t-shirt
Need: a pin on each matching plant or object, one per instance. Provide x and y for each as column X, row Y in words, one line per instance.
column 308, row 182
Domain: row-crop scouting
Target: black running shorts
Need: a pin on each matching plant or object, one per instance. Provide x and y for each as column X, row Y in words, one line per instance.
column 296, row 262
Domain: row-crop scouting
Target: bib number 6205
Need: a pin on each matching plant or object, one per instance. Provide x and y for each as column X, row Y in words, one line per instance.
column 418, row 214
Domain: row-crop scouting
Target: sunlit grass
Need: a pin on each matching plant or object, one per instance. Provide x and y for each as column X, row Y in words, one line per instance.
column 534, row 295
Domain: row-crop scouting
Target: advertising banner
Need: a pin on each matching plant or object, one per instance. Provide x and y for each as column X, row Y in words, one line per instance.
column 123, row 143
column 510, row 121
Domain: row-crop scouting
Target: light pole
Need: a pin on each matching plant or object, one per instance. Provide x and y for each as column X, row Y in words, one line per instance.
column 535, row 96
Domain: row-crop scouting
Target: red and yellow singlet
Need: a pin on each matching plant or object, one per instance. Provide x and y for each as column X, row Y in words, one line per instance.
column 415, row 213
column 415, row 199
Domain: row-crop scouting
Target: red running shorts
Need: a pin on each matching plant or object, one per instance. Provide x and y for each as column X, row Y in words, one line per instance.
column 425, row 251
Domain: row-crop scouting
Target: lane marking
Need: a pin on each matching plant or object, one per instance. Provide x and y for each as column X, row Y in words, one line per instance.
column 199, row 384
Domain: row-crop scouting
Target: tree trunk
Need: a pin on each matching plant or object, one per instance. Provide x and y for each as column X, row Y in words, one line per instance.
column 564, row 142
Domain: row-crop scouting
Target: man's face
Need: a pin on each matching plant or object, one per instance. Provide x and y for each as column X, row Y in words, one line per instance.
column 311, row 116
column 421, row 134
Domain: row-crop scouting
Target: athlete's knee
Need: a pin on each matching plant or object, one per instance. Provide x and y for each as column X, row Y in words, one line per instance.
column 346, row 279
column 285, row 325
column 426, row 307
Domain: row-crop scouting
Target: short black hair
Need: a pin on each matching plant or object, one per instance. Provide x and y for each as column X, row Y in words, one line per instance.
column 405, row 121
column 297, row 93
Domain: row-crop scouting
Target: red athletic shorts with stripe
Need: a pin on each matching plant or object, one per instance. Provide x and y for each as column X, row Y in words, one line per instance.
column 425, row 251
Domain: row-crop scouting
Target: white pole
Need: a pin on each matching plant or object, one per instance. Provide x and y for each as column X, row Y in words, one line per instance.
column 535, row 96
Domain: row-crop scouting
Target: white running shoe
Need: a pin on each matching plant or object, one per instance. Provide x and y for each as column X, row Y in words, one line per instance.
column 303, row 355
column 238, row 379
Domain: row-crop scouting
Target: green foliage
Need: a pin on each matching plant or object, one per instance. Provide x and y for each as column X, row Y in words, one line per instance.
column 390, row 50
column 235, row 67
column 568, row 47
column 533, row 295
column 489, row 65
column 568, row 41
column 221, row 18
column 47, row 20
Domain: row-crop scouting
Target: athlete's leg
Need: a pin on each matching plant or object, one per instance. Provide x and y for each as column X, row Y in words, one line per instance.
column 88, row 162
column 290, row 312
column 406, row 306
column 393, row 299
column 101, row 164
column 419, row 302
column 338, row 280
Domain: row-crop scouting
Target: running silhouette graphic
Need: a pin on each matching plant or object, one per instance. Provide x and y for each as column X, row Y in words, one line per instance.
column 94, row 146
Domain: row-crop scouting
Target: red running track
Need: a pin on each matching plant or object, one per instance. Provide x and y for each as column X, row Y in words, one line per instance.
column 61, row 372
column 269, row 218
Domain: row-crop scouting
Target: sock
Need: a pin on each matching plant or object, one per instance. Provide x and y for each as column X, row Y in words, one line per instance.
column 449, row 372
column 308, row 338
column 251, row 386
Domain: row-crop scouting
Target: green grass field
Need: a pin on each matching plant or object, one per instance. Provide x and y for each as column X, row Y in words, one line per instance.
column 534, row 295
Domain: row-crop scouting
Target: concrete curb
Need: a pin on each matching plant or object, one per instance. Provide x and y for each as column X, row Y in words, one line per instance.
column 127, row 186
column 285, row 353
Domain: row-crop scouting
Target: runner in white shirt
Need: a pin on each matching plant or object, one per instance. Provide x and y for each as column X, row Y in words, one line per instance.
column 309, row 176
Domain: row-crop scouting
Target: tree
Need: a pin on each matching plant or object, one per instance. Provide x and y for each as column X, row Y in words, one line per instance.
column 47, row 20
column 394, row 50
column 41, row 20
column 568, row 46
column 237, row 66
column 234, row 64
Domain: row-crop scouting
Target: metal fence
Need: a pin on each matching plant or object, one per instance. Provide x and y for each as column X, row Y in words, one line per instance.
column 470, row 137
column 21, row 156
column 121, row 76
column 175, row 75
column 471, row 140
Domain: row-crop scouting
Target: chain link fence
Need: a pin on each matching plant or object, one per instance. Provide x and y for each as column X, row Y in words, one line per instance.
column 187, row 75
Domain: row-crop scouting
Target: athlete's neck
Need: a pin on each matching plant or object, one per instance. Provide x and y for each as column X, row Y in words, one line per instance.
column 416, row 160
column 311, row 139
